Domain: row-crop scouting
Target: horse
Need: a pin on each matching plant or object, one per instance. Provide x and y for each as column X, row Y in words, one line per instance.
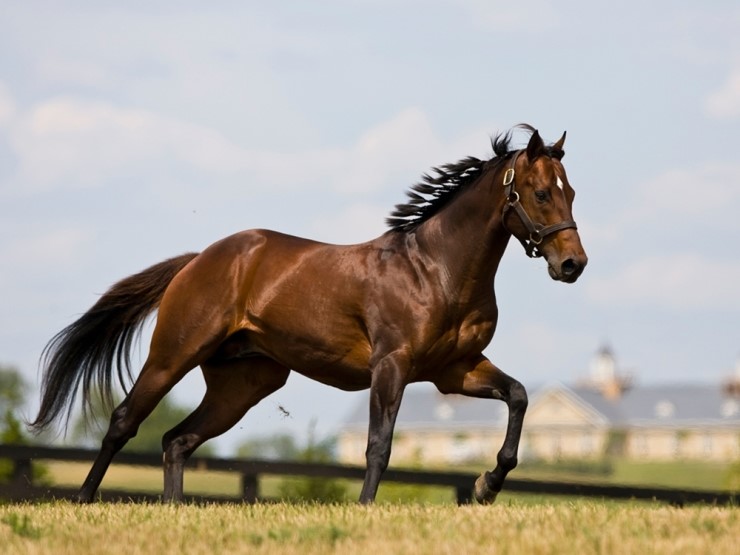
column 416, row 304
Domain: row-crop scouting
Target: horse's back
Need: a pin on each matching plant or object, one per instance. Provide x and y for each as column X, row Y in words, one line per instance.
column 233, row 270
column 260, row 292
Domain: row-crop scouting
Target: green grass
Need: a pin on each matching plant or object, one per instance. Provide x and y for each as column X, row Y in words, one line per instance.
column 143, row 478
column 426, row 521
column 582, row 527
column 671, row 474
column 683, row 474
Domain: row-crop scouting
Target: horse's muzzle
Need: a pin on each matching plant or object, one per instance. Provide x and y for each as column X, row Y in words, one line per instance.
column 568, row 270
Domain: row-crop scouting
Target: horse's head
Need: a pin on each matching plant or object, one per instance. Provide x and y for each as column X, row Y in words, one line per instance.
column 538, row 208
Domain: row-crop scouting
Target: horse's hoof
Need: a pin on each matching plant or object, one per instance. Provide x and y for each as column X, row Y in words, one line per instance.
column 483, row 493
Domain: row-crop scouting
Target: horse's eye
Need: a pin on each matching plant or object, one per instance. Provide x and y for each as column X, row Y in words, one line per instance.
column 541, row 196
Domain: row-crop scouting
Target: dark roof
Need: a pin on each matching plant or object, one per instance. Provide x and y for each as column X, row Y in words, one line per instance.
column 679, row 404
column 424, row 407
column 653, row 405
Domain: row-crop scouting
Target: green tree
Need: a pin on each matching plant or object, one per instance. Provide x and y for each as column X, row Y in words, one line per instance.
column 285, row 447
column 89, row 429
column 13, row 390
column 282, row 447
column 324, row 490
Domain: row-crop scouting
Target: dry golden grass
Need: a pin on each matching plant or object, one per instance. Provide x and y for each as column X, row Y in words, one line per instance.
column 573, row 527
column 141, row 478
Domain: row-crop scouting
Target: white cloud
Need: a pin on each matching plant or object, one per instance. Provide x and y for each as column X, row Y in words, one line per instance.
column 355, row 224
column 393, row 153
column 81, row 143
column 679, row 202
column 397, row 146
column 70, row 142
column 399, row 150
column 680, row 281
column 725, row 102
column 677, row 210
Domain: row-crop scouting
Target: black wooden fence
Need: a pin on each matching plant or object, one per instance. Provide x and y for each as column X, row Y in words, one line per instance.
column 22, row 487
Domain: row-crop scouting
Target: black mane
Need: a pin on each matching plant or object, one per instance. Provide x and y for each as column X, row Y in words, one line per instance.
column 427, row 197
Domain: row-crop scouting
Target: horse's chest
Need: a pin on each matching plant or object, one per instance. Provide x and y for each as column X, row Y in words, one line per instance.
column 474, row 336
column 466, row 338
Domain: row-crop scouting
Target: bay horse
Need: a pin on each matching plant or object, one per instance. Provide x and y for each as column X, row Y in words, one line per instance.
column 415, row 304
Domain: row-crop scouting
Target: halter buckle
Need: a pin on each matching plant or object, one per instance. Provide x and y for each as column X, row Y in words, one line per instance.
column 509, row 177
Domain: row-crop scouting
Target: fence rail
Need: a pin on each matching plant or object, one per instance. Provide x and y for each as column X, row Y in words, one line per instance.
column 21, row 485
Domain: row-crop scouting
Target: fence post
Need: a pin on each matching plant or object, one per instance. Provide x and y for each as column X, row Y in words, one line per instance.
column 22, row 472
column 464, row 495
column 250, row 487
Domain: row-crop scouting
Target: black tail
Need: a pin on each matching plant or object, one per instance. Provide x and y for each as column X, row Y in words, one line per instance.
column 87, row 350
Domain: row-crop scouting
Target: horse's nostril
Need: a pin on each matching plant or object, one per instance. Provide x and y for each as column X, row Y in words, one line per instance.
column 569, row 267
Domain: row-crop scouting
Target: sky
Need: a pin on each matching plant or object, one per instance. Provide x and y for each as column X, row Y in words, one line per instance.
column 131, row 132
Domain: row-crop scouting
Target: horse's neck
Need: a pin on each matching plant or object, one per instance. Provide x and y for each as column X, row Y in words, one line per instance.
column 468, row 237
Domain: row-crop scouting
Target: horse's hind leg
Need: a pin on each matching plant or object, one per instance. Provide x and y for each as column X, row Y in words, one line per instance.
column 482, row 379
column 152, row 384
column 232, row 388
column 175, row 350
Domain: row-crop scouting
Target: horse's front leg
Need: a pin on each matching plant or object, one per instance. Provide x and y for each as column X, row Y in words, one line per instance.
column 480, row 378
column 386, row 391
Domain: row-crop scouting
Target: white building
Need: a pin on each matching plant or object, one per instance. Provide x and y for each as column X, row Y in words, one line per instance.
column 602, row 415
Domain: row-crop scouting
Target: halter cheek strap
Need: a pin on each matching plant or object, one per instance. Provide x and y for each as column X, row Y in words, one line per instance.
column 536, row 231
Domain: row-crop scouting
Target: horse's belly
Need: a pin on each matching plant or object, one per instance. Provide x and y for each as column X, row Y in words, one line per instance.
column 341, row 377
column 348, row 372
column 343, row 363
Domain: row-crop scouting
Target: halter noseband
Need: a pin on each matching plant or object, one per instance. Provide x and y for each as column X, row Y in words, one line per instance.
column 537, row 232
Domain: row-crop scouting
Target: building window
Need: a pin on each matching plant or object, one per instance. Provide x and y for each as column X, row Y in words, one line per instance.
column 664, row 409
column 729, row 408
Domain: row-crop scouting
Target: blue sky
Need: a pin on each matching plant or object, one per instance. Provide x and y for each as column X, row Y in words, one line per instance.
column 131, row 132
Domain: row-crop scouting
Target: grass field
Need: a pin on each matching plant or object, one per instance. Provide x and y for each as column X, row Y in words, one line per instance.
column 427, row 522
column 680, row 474
column 572, row 527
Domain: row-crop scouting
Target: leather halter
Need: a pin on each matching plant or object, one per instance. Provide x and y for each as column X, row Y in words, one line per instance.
column 537, row 232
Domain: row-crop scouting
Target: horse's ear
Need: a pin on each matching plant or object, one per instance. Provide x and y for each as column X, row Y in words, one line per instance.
column 561, row 142
column 535, row 147
column 557, row 148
